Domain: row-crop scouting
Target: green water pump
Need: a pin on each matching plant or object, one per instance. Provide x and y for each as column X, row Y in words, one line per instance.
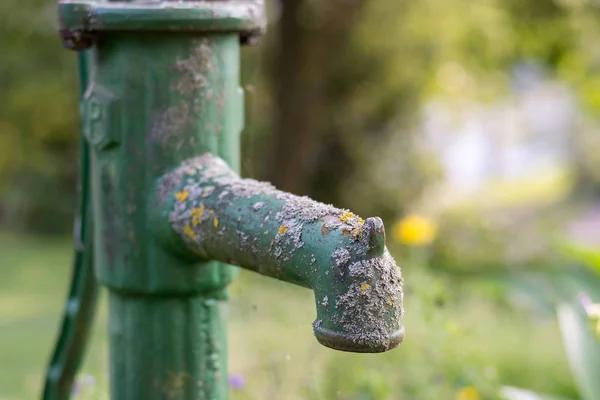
column 165, row 219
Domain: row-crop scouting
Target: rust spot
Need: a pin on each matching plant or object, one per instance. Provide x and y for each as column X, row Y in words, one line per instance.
column 324, row 230
column 347, row 232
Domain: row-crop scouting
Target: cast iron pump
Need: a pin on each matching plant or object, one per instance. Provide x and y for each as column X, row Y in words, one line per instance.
column 164, row 216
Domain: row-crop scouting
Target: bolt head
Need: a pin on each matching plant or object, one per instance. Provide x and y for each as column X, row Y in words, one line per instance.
column 76, row 40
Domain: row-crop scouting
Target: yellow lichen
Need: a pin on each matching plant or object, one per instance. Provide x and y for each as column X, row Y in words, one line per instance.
column 211, row 212
column 390, row 303
column 190, row 171
column 346, row 217
column 266, row 232
column 358, row 231
column 197, row 214
column 282, row 230
column 216, row 222
column 364, row 287
column 189, row 232
column 182, row 196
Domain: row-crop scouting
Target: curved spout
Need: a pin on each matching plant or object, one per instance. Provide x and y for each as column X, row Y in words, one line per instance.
column 213, row 214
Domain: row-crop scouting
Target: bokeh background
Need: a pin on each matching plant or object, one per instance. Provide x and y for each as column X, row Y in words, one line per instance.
column 470, row 127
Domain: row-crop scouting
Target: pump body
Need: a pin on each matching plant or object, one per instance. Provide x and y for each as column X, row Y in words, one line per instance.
column 162, row 112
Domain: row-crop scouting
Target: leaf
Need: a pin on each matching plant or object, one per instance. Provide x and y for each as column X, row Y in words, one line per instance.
column 590, row 257
column 513, row 393
column 582, row 348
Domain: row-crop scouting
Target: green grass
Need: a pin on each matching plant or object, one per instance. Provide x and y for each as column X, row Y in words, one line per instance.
column 470, row 340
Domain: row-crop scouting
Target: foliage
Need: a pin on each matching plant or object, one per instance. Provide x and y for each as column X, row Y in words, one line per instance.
column 490, row 242
column 456, row 338
column 578, row 321
column 38, row 119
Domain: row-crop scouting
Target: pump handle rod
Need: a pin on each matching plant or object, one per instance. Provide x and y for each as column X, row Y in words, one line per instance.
column 83, row 293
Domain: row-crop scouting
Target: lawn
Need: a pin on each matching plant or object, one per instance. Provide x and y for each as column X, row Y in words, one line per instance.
column 467, row 339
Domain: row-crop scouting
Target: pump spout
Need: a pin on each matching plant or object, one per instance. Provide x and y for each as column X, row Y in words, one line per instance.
column 208, row 212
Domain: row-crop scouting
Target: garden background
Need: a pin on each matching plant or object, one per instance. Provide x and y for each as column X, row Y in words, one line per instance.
column 470, row 127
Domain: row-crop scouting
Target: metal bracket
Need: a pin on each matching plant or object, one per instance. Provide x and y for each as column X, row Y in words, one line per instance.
column 100, row 106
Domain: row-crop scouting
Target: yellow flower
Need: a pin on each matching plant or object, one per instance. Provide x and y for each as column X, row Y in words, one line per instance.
column 414, row 230
column 468, row 393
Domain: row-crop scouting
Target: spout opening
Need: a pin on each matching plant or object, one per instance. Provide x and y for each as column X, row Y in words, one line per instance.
column 358, row 344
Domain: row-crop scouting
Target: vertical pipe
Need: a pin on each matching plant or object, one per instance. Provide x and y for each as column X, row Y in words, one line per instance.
column 170, row 347
column 154, row 101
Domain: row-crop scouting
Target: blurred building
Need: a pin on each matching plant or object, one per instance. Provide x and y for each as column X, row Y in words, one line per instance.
column 526, row 133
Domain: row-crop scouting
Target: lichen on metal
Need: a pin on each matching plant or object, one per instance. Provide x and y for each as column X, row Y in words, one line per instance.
column 332, row 251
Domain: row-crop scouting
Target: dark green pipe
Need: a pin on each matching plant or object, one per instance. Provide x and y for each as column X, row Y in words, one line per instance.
column 81, row 304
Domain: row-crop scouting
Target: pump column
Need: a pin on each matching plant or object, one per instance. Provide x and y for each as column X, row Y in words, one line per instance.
column 164, row 87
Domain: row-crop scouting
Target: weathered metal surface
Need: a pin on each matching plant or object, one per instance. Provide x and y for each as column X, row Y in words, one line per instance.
column 162, row 117
column 178, row 96
column 81, row 21
column 214, row 214
column 171, row 347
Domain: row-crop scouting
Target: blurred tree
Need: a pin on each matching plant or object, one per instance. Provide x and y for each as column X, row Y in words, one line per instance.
column 38, row 119
column 348, row 79
column 343, row 87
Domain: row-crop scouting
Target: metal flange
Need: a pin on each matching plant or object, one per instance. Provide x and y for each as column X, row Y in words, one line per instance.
column 80, row 22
